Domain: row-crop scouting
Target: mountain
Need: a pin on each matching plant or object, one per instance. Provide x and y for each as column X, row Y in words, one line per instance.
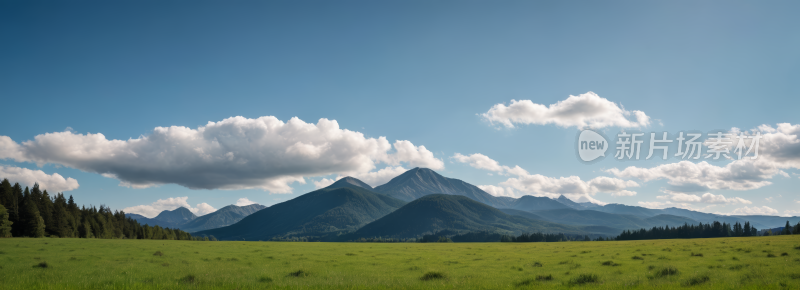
column 318, row 215
column 617, row 221
column 177, row 216
column 419, row 182
column 535, row 203
column 166, row 219
column 576, row 205
column 627, row 209
column 350, row 182
column 522, row 213
column 436, row 212
column 222, row 217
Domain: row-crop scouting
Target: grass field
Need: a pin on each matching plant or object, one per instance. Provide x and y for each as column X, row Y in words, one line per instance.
column 724, row 263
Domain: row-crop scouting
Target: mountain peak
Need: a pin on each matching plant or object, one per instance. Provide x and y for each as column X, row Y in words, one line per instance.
column 178, row 216
column 349, row 182
column 419, row 182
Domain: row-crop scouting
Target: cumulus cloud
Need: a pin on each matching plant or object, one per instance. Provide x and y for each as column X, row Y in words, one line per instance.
column 497, row 190
column 652, row 204
column 325, row 182
column 235, row 153
column 244, row 201
column 26, row 177
column 789, row 213
column 539, row 185
column 479, row 161
column 764, row 210
column 583, row 111
column 685, row 176
column 779, row 147
column 153, row 209
column 707, row 198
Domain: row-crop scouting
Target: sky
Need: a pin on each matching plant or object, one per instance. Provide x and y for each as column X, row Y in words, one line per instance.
column 145, row 106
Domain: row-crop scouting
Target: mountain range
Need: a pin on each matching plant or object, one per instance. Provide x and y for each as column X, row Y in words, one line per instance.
column 182, row 218
column 421, row 201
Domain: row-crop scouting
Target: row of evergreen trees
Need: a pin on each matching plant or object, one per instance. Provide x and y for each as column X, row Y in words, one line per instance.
column 687, row 231
column 34, row 213
column 540, row 238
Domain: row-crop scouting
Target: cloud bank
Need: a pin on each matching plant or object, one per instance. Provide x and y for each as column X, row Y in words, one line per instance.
column 539, row 185
column 244, row 202
column 235, row 153
column 583, row 111
column 51, row 182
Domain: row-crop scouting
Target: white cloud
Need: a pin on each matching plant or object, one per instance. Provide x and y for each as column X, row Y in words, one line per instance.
column 51, row 182
column 325, row 182
column 539, row 185
column 479, row 161
column 764, row 210
column 653, row 204
column 707, row 198
column 585, row 110
column 244, row 201
column 235, row 153
column 497, row 190
column 685, row 176
column 153, row 209
column 669, row 203
column 780, row 147
column 790, row 213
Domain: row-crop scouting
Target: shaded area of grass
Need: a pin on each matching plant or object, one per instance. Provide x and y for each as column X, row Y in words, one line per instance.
column 189, row 279
column 299, row 273
column 666, row 272
column 432, row 276
column 696, row 280
column 584, row 279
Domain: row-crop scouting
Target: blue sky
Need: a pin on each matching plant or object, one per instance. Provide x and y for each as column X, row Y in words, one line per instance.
column 419, row 71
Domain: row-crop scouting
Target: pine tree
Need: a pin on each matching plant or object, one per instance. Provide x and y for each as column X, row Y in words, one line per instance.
column 46, row 211
column 5, row 224
column 15, row 211
column 86, row 230
column 787, row 230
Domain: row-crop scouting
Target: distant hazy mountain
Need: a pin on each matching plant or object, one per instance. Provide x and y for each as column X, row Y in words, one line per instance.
column 177, row 216
column 617, row 221
column 436, row 212
column 757, row 221
column 166, row 219
column 522, row 213
column 222, row 217
column 419, row 182
column 631, row 210
column 535, row 203
column 576, row 205
column 182, row 218
column 320, row 214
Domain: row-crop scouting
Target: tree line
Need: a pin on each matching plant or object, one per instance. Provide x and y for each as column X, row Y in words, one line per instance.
column 32, row 212
column 709, row 230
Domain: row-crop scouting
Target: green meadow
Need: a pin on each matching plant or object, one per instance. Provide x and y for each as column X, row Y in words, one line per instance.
column 721, row 263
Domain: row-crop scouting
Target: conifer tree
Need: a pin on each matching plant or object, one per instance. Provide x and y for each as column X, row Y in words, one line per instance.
column 5, row 224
